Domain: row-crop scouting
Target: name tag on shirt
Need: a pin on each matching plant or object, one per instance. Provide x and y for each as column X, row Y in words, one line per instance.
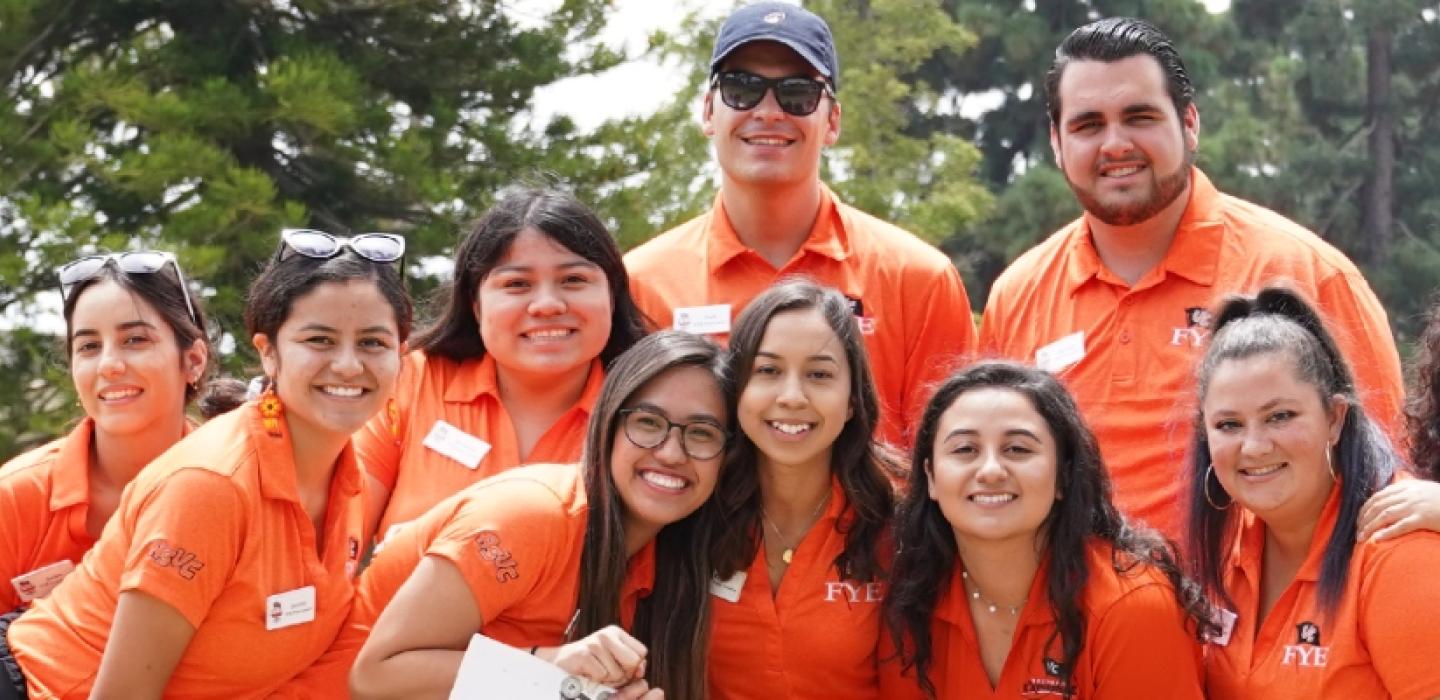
column 1227, row 625
column 490, row 669
column 729, row 589
column 1061, row 353
column 38, row 583
column 290, row 608
column 703, row 319
column 457, row 444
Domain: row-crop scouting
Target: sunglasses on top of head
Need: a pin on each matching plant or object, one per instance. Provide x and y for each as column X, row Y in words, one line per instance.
column 797, row 95
column 375, row 247
column 140, row 262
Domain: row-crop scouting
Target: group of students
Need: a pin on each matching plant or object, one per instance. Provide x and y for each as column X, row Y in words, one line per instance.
column 715, row 523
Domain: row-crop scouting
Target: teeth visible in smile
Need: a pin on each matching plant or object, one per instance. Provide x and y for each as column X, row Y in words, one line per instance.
column 551, row 333
column 1122, row 172
column 790, row 428
column 1262, row 471
column 116, row 394
column 992, row 498
column 762, row 141
column 348, row 392
column 663, row 480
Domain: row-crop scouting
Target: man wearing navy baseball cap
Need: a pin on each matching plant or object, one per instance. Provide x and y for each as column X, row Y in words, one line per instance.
column 771, row 108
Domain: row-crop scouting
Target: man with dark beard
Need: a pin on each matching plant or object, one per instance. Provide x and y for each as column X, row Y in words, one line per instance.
column 1116, row 302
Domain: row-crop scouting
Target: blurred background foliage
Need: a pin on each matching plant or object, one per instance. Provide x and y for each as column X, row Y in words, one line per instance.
column 147, row 123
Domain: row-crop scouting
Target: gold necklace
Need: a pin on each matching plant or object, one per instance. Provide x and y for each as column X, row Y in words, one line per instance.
column 789, row 551
column 990, row 605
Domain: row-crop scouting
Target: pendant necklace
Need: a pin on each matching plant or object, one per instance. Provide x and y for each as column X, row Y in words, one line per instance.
column 789, row 550
column 990, row 605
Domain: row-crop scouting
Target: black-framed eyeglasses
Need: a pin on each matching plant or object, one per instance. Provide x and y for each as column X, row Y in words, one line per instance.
column 138, row 262
column 375, row 247
column 701, row 439
column 796, row 94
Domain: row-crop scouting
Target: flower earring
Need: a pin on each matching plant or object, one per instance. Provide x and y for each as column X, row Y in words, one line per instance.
column 392, row 413
column 271, row 410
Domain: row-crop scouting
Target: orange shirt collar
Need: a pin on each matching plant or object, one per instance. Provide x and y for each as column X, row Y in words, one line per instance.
column 639, row 573
column 71, row 483
column 277, row 461
column 1249, row 547
column 478, row 378
column 1194, row 254
column 827, row 235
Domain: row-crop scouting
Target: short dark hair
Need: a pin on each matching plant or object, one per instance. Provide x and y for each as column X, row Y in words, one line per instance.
column 1113, row 39
column 563, row 219
column 1280, row 321
column 276, row 288
column 161, row 290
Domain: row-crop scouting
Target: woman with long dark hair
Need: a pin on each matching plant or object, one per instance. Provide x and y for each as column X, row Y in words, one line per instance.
column 138, row 355
column 594, row 566
column 227, row 568
column 1016, row 575
column 803, row 506
column 538, row 306
column 1284, row 459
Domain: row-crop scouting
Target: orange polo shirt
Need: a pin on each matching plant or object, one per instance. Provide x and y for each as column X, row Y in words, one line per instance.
column 466, row 395
column 1128, row 353
column 1137, row 644
column 908, row 298
column 212, row 528
column 516, row 539
column 1378, row 643
column 814, row 638
column 45, row 496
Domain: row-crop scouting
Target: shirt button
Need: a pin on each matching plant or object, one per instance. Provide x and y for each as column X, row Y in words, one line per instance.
column 1125, row 336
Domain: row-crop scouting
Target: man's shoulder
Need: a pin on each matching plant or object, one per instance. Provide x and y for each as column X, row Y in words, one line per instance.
column 1269, row 237
column 659, row 251
column 891, row 244
column 1037, row 263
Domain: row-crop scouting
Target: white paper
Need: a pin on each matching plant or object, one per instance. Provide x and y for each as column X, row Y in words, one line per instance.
column 38, row 583
column 1061, row 353
column 1227, row 625
column 703, row 319
column 457, row 444
column 290, row 608
column 728, row 590
column 491, row 669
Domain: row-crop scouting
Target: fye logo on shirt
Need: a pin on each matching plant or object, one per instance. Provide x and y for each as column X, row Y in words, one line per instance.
column 1197, row 328
column 1306, row 651
column 854, row 592
column 186, row 563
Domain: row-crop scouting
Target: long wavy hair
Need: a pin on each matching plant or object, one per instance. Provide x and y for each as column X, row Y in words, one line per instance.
column 856, row 460
column 563, row 219
column 1278, row 320
column 925, row 564
column 1422, row 415
column 673, row 622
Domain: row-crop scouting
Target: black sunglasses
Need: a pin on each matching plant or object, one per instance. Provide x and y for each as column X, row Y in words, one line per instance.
column 375, row 247
column 140, row 262
column 797, row 95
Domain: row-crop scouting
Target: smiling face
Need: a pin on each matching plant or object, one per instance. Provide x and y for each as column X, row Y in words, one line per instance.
column 661, row 485
column 796, row 399
column 1269, row 435
column 334, row 360
column 544, row 311
column 993, row 467
column 1124, row 151
column 128, row 371
column 764, row 145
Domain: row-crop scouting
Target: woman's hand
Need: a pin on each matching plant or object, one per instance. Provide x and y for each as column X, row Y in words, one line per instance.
column 609, row 656
column 1404, row 506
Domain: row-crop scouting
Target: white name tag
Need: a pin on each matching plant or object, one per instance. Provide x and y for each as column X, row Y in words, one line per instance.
column 38, row 583
column 1061, row 353
column 290, row 608
column 703, row 319
column 457, row 444
column 728, row 590
column 1227, row 625
column 490, row 669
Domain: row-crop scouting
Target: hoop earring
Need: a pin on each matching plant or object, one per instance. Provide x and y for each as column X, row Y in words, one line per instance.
column 271, row 410
column 1205, row 485
column 1330, row 466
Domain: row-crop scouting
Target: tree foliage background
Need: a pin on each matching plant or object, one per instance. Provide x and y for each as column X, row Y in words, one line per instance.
column 152, row 123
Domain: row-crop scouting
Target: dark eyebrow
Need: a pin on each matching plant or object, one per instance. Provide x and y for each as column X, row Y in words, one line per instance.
column 127, row 325
column 527, row 268
column 317, row 327
column 707, row 417
column 821, row 357
column 1130, row 110
column 971, row 431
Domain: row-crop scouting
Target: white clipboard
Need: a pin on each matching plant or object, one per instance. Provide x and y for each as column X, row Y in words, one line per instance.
column 491, row 669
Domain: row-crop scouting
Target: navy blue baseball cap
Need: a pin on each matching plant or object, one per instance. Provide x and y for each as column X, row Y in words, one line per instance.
column 794, row 26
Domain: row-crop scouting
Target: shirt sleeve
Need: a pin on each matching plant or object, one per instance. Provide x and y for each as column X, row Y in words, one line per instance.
column 1142, row 648
column 187, row 535
column 377, row 448
column 505, row 541
column 18, row 501
column 1362, row 331
column 1399, row 616
column 943, row 340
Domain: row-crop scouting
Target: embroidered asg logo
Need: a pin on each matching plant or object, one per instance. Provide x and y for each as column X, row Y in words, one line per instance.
column 1197, row 328
column 490, row 550
column 185, row 563
column 1306, row 652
